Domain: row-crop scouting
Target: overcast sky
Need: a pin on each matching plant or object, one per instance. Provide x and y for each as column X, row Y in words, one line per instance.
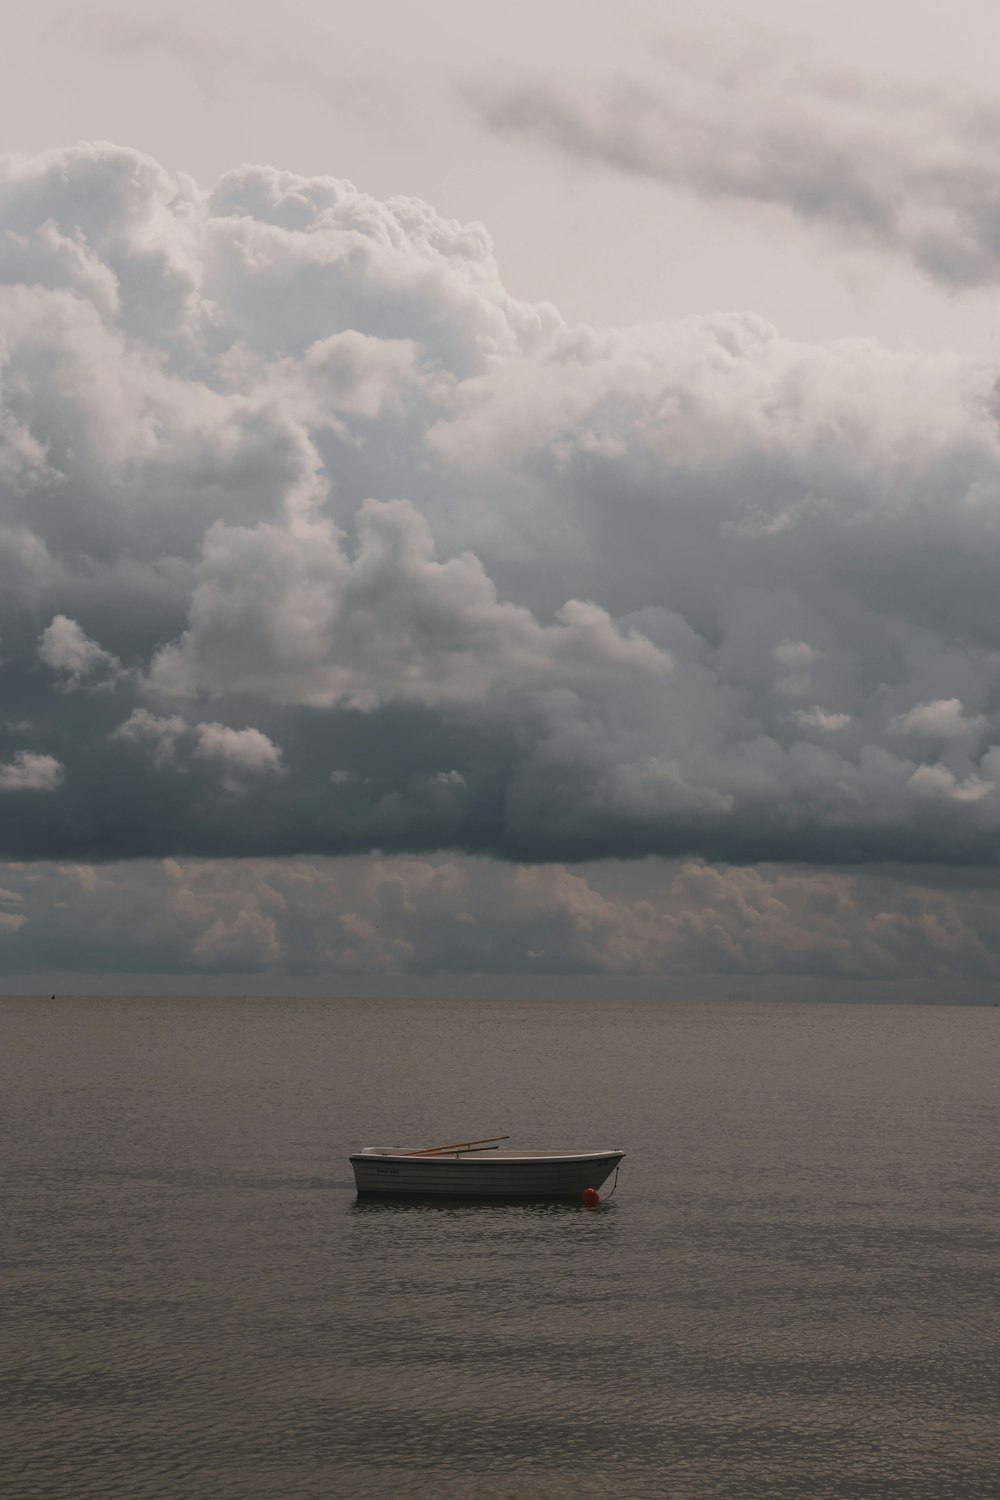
column 498, row 497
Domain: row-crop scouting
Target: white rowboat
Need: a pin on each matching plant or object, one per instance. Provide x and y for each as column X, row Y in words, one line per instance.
column 478, row 1172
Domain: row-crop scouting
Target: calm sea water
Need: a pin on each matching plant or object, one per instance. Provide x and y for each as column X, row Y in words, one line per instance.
column 794, row 1291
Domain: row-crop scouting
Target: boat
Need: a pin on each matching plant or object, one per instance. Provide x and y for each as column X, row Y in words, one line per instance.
column 479, row 1169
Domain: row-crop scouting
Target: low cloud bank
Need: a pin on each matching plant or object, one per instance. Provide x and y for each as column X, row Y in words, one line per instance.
column 376, row 918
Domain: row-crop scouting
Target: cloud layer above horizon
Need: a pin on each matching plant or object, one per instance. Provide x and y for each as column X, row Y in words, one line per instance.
column 314, row 540
column 663, row 926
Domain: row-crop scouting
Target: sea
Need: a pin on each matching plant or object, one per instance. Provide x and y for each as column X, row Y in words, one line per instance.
column 794, row 1290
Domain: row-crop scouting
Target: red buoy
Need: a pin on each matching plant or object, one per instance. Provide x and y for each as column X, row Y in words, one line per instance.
column 590, row 1198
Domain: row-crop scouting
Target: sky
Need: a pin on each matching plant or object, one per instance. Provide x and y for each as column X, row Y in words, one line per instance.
column 500, row 499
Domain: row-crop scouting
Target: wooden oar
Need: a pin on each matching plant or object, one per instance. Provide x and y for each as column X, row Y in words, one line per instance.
column 486, row 1140
column 455, row 1151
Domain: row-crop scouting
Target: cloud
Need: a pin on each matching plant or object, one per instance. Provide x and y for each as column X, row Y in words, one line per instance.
column 335, row 922
column 942, row 719
column 376, row 556
column 246, row 750
column 68, row 650
column 216, row 59
column 821, row 718
column 29, row 772
column 794, row 653
column 283, row 615
column 938, row 781
column 172, row 742
column 905, row 169
column 160, row 733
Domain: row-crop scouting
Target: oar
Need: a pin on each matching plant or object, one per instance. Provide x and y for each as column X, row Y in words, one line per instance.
column 485, row 1140
column 454, row 1151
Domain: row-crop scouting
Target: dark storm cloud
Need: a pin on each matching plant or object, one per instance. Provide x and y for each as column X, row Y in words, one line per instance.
column 314, row 540
column 906, row 169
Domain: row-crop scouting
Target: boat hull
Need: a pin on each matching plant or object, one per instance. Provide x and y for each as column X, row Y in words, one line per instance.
column 494, row 1176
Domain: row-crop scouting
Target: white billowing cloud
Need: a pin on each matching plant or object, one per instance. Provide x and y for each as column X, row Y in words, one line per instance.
column 278, row 454
column 821, row 718
column 797, row 656
column 172, row 743
column 67, row 649
column 939, row 781
column 874, row 161
column 349, row 374
column 794, row 654
column 942, row 719
column 160, row 733
column 286, row 616
column 29, row 772
column 347, row 261
column 247, row 750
